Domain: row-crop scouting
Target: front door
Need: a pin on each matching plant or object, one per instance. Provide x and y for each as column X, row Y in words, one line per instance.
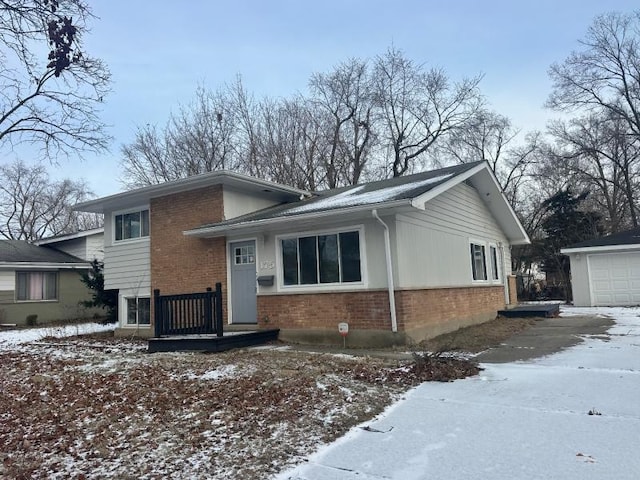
column 243, row 282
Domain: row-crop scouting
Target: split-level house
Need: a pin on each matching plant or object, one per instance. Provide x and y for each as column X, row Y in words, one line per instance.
column 398, row 260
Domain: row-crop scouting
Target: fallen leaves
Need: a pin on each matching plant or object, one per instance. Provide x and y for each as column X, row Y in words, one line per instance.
column 96, row 409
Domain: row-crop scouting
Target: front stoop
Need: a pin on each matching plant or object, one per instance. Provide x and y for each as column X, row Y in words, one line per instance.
column 546, row 310
column 212, row 343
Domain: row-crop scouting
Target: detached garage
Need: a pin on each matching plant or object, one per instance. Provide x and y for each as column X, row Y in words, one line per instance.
column 606, row 271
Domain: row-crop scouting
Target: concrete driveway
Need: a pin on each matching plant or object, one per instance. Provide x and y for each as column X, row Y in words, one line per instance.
column 548, row 336
column 572, row 414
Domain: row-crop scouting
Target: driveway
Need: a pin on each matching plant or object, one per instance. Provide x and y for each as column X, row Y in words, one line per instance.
column 572, row 414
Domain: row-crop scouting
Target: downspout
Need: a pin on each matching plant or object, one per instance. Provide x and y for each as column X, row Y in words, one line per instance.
column 390, row 286
column 505, row 278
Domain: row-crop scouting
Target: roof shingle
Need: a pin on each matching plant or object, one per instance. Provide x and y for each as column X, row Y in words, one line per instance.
column 19, row 251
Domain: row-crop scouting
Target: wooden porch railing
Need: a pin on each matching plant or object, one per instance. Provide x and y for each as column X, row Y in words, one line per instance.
column 189, row 313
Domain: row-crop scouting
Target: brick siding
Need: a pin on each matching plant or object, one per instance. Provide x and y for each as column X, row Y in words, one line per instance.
column 370, row 309
column 182, row 264
column 363, row 310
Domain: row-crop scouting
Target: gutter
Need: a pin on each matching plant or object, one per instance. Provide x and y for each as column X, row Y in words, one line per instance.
column 222, row 230
column 505, row 278
column 43, row 265
column 390, row 285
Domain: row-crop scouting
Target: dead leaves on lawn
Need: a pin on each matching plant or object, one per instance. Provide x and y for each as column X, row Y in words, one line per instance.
column 77, row 411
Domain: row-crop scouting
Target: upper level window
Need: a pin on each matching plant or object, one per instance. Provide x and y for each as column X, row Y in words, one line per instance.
column 132, row 225
column 36, row 286
column 318, row 259
column 478, row 262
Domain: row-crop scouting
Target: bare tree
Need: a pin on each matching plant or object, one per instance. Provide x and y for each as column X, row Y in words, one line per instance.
column 290, row 144
column 197, row 139
column 345, row 97
column 597, row 149
column 419, row 106
column 49, row 99
column 33, row 207
column 604, row 73
column 491, row 137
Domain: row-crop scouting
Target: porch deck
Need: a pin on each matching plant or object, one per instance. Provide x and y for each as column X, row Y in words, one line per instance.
column 545, row 310
column 212, row 342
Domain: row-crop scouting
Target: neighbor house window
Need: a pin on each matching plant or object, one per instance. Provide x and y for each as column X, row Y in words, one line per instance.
column 478, row 262
column 132, row 225
column 321, row 259
column 138, row 311
column 36, row 286
column 493, row 256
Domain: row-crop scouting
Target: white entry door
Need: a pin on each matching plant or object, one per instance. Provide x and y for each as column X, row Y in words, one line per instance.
column 614, row 279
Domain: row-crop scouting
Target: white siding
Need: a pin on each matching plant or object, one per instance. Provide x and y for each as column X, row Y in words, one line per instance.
column 75, row 247
column 433, row 245
column 580, row 280
column 239, row 203
column 95, row 247
column 127, row 265
column 7, row 280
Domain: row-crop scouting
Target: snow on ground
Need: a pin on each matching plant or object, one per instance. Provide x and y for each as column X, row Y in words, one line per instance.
column 9, row 338
column 571, row 415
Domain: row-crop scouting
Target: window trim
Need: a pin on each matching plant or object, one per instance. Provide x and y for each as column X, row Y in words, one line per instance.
column 125, row 312
column 482, row 244
column 497, row 272
column 44, row 300
column 117, row 213
column 488, row 245
column 314, row 287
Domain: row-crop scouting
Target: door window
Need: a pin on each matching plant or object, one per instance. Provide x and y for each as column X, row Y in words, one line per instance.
column 245, row 255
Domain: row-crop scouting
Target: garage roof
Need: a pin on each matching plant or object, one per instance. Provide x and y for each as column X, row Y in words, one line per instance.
column 617, row 241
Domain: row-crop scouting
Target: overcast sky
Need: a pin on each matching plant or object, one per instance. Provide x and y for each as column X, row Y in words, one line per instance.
column 159, row 52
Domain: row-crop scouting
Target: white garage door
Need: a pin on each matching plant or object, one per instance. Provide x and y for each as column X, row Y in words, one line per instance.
column 615, row 279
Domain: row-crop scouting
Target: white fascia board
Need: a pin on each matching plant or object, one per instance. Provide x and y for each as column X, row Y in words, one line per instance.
column 43, row 265
column 71, row 236
column 601, row 248
column 144, row 194
column 222, row 230
column 420, row 201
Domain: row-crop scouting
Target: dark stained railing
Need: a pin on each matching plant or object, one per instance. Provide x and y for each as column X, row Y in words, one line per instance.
column 189, row 313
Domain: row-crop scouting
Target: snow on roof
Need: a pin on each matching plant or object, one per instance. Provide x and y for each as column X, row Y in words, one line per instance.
column 359, row 196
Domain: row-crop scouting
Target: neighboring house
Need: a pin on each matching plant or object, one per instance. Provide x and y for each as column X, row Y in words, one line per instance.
column 87, row 245
column 606, row 271
column 399, row 260
column 42, row 281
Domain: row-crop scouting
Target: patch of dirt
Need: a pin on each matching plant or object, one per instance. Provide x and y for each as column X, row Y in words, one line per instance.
column 478, row 338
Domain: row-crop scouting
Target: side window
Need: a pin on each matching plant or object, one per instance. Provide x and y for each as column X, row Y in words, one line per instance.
column 36, row 286
column 493, row 255
column 478, row 262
